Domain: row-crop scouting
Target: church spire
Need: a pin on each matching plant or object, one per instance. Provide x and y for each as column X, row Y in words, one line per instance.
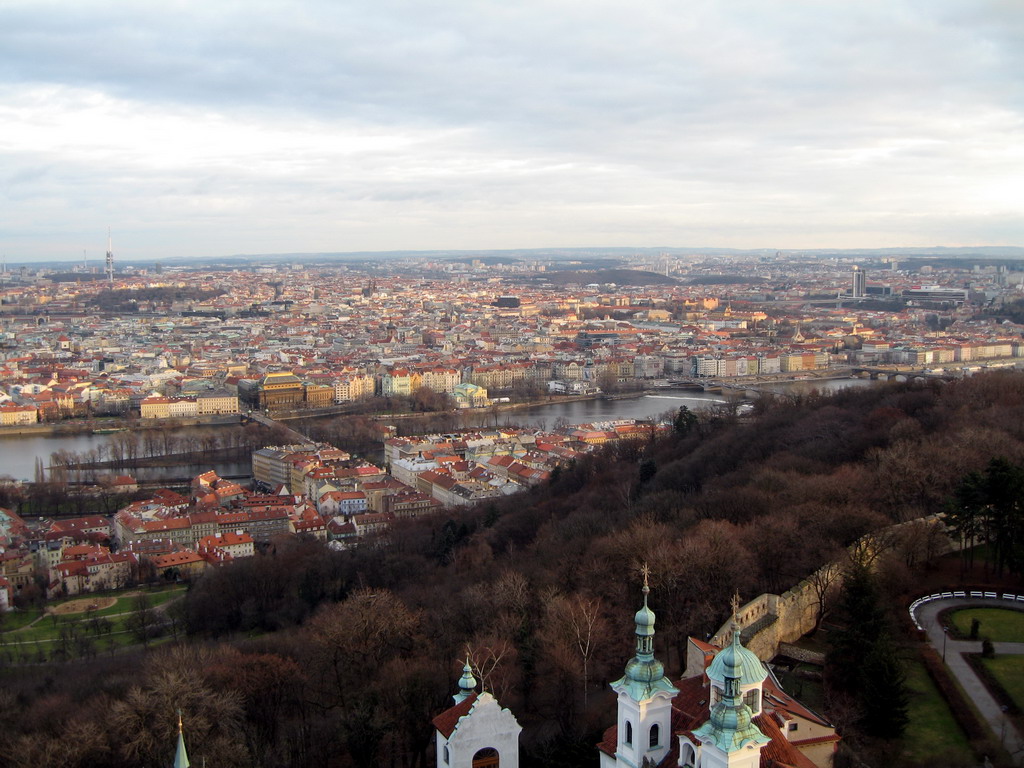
column 645, row 697
column 467, row 684
column 645, row 675
column 645, row 622
column 180, row 755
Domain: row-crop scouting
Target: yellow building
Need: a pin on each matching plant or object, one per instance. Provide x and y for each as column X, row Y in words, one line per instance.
column 11, row 415
column 470, row 396
column 216, row 402
column 155, row 407
column 282, row 389
column 319, row 396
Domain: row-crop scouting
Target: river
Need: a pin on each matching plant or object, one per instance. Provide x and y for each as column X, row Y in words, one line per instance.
column 653, row 405
column 18, row 454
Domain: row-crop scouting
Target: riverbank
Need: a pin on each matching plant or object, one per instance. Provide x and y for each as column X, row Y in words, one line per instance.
column 186, row 459
column 107, row 426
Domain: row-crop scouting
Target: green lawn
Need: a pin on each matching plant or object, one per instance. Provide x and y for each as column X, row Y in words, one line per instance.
column 47, row 631
column 1009, row 671
column 997, row 624
column 932, row 736
column 18, row 619
column 806, row 689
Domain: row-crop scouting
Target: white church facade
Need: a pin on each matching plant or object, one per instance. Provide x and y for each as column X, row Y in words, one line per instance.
column 477, row 732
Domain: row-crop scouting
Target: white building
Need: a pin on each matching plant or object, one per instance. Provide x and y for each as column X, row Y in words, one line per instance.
column 477, row 732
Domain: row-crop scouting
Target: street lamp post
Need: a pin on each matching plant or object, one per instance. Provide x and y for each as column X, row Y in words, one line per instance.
column 945, row 634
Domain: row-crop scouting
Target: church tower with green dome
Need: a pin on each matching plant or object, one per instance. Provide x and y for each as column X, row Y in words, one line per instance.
column 644, row 722
column 730, row 738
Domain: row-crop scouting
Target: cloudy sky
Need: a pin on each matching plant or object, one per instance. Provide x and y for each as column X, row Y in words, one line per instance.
column 215, row 127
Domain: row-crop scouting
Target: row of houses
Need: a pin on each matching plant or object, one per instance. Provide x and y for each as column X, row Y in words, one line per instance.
column 157, row 406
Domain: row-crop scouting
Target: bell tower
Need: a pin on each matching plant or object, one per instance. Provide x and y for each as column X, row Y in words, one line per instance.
column 645, row 700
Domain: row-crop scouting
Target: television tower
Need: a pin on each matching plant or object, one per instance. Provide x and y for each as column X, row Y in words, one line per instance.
column 110, row 260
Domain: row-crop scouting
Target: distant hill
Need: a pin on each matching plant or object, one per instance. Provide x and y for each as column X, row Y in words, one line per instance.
column 616, row 276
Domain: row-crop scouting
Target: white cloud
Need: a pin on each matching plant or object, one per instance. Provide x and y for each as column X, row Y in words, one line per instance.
column 244, row 127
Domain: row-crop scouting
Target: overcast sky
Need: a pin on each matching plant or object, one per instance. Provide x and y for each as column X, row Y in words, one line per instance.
column 217, row 127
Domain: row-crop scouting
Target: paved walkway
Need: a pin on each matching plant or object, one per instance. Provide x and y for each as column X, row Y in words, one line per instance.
column 988, row 708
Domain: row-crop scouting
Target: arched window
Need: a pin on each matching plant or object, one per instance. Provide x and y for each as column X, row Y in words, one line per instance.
column 655, row 736
column 486, row 758
column 629, row 732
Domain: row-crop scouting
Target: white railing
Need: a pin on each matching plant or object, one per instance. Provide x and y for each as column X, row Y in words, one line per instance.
column 975, row 594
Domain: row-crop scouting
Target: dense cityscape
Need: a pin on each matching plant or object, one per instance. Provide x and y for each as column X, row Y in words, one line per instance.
column 178, row 343
column 431, row 359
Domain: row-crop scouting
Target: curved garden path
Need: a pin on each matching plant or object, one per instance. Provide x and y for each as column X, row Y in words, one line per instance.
column 925, row 615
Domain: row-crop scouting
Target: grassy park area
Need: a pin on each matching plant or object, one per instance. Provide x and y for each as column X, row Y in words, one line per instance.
column 1009, row 672
column 933, row 736
column 997, row 624
column 84, row 626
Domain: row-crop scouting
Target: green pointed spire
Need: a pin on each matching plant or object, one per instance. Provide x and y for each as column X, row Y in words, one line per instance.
column 467, row 683
column 180, row 755
column 645, row 675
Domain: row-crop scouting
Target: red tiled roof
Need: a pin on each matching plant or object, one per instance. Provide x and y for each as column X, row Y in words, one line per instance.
column 447, row 720
column 779, row 751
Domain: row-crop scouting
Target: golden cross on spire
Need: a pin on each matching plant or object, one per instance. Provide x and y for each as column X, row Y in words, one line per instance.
column 645, row 571
column 736, row 607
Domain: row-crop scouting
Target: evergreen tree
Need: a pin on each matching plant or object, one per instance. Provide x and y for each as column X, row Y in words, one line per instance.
column 863, row 661
column 990, row 504
column 685, row 421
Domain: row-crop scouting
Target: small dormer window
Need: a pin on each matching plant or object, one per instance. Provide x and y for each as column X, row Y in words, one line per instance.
column 793, row 726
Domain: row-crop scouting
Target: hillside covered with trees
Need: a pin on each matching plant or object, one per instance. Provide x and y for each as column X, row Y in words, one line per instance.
column 306, row 657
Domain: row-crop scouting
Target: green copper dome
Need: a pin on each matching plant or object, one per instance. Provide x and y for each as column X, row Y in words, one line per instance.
column 467, row 683
column 737, row 662
column 644, row 618
column 731, row 725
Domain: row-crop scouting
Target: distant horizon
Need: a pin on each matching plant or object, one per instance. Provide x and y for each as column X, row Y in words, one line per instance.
column 557, row 253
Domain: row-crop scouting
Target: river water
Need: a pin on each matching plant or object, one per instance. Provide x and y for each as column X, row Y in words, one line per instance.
column 18, row 454
column 654, row 405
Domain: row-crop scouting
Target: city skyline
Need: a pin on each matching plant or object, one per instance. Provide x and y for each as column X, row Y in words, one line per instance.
column 196, row 131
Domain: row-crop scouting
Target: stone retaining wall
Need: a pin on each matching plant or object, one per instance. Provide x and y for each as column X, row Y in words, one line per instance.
column 795, row 610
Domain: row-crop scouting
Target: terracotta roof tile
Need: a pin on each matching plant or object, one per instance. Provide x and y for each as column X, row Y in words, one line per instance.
column 447, row 720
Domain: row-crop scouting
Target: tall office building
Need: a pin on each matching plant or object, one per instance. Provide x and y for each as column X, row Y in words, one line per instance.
column 110, row 259
column 860, row 283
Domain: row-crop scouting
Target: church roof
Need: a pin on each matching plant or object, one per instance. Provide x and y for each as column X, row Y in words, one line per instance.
column 736, row 661
column 447, row 720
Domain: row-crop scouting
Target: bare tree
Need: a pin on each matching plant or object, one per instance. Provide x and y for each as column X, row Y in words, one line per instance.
column 586, row 623
column 493, row 661
column 824, row 581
